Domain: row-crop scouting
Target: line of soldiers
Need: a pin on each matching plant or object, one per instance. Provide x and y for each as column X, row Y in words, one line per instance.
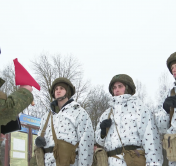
column 128, row 131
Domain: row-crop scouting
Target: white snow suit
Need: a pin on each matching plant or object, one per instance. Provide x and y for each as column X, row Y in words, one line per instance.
column 72, row 124
column 135, row 125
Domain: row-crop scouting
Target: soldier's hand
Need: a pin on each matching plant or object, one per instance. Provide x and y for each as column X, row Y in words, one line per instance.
column 105, row 124
column 28, row 87
column 169, row 102
column 40, row 142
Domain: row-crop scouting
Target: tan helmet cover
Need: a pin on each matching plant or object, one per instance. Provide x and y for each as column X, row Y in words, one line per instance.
column 64, row 81
column 125, row 79
column 171, row 60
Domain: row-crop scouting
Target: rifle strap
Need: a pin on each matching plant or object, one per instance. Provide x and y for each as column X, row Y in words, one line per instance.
column 117, row 130
column 53, row 131
column 46, row 123
column 107, row 129
column 3, row 95
column 171, row 108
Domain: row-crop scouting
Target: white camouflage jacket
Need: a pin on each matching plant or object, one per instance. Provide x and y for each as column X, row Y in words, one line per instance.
column 135, row 125
column 72, row 124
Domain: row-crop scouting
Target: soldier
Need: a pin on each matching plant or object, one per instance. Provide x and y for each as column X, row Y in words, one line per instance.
column 15, row 103
column 71, row 127
column 165, row 117
column 131, row 128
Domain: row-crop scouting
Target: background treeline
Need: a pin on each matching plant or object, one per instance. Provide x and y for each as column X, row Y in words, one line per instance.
column 92, row 98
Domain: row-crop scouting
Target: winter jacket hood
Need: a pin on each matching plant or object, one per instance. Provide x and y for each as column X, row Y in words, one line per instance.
column 54, row 105
column 121, row 99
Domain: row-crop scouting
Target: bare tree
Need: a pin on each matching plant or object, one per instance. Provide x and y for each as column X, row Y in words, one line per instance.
column 142, row 95
column 46, row 69
column 8, row 74
column 140, row 91
column 150, row 105
column 49, row 67
column 163, row 88
column 97, row 104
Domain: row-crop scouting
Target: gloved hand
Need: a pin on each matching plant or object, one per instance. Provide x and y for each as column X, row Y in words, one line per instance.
column 105, row 124
column 169, row 102
column 40, row 142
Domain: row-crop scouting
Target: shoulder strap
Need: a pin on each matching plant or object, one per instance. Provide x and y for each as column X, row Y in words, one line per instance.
column 171, row 108
column 3, row 95
column 107, row 129
column 53, row 131
column 44, row 128
column 117, row 130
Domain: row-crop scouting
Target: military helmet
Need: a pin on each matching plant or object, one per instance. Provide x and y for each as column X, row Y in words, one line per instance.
column 64, row 81
column 171, row 60
column 125, row 79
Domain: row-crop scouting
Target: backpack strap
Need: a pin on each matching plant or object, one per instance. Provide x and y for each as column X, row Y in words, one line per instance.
column 44, row 128
column 171, row 108
column 54, row 133
column 3, row 95
column 107, row 129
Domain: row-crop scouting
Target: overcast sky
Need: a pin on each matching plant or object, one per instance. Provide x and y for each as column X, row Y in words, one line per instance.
column 108, row 37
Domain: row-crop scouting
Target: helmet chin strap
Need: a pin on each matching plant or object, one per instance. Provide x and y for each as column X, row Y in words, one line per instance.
column 61, row 98
column 126, row 89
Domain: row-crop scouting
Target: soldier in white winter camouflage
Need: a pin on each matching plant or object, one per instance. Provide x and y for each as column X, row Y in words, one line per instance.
column 166, row 117
column 127, row 129
column 68, row 139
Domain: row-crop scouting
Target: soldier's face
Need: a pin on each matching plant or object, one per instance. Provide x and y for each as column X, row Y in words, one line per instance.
column 173, row 69
column 59, row 91
column 118, row 89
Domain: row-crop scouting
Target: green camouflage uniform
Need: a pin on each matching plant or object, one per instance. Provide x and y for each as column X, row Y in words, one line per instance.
column 12, row 105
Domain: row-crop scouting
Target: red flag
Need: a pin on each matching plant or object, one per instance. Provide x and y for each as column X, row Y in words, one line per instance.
column 22, row 77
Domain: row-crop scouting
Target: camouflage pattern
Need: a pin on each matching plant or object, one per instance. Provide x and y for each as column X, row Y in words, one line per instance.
column 14, row 104
column 1, row 82
column 11, row 106
column 62, row 80
column 123, row 78
column 171, row 60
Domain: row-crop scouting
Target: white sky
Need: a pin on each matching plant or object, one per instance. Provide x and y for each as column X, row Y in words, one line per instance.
column 108, row 37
